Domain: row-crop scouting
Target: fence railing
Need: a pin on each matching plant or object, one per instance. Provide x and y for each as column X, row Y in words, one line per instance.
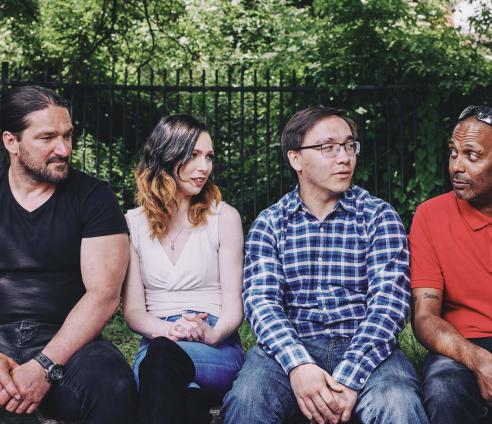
column 246, row 112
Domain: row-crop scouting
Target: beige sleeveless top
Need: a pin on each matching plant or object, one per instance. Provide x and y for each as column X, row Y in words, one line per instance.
column 193, row 282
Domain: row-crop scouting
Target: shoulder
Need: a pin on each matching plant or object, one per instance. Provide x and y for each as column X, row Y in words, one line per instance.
column 136, row 217
column 276, row 213
column 437, row 211
column 227, row 214
column 372, row 207
column 438, row 204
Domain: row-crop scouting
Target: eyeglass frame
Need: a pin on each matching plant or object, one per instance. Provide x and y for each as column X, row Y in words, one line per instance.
column 482, row 113
column 356, row 152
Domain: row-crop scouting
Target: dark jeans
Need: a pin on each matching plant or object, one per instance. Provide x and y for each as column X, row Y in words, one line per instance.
column 451, row 393
column 97, row 386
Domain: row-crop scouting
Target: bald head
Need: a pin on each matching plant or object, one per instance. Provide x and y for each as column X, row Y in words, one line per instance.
column 470, row 162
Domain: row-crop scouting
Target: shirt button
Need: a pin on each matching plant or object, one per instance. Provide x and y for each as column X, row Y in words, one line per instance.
column 361, row 380
column 321, row 229
column 320, row 258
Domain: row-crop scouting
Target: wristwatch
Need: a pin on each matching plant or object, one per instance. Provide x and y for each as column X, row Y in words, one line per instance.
column 54, row 372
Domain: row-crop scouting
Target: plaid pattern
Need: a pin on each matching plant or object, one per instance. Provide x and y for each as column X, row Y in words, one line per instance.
column 344, row 277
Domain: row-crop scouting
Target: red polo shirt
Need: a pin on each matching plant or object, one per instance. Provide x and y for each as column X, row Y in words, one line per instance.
column 451, row 250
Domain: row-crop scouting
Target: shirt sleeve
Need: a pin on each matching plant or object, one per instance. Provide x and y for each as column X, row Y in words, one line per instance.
column 388, row 299
column 425, row 268
column 263, row 298
column 101, row 213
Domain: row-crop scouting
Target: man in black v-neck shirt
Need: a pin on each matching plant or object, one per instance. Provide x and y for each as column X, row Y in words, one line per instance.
column 64, row 254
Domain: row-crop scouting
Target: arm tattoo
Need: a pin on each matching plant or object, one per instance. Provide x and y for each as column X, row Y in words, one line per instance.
column 431, row 296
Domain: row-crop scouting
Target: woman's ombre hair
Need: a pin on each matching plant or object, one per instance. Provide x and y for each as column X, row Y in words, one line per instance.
column 171, row 143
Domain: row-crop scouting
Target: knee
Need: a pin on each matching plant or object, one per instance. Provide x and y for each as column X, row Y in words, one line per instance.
column 164, row 356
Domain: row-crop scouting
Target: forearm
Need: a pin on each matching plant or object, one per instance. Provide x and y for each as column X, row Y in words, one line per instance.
column 84, row 323
column 146, row 324
column 229, row 320
column 441, row 337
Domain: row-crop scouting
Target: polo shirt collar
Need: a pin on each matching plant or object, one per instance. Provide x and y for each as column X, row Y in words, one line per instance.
column 346, row 201
column 474, row 218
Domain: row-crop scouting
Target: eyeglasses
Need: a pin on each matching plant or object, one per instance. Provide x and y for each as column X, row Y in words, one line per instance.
column 482, row 113
column 331, row 150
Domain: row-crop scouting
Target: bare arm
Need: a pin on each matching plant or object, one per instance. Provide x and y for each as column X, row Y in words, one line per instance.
column 103, row 263
column 231, row 242
column 441, row 337
column 134, row 309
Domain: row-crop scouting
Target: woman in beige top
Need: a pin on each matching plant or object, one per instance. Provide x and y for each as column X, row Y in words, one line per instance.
column 183, row 287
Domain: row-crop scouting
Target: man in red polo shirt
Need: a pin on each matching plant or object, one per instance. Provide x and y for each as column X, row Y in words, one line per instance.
column 451, row 276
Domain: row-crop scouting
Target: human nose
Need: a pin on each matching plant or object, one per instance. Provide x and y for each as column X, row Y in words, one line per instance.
column 203, row 164
column 63, row 147
column 342, row 155
column 456, row 164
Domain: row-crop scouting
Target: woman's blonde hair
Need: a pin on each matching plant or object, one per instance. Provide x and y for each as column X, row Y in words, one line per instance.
column 171, row 142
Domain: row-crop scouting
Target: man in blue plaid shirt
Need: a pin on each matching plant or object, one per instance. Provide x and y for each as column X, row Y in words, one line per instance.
column 326, row 291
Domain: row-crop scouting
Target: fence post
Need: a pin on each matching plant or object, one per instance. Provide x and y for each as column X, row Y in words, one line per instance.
column 5, row 78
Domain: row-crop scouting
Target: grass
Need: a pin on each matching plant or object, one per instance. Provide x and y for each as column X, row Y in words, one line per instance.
column 128, row 342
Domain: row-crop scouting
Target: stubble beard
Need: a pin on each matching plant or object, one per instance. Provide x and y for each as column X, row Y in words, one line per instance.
column 42, row 173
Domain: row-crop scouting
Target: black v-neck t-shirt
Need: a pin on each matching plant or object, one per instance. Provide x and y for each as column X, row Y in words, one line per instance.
column 40, row 278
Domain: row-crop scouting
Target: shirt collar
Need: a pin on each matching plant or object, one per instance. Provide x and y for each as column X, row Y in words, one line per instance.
column 346, row 201
column 474, row 218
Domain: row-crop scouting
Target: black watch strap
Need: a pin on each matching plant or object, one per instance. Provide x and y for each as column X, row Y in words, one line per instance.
column 54, row 372
column 44, row 361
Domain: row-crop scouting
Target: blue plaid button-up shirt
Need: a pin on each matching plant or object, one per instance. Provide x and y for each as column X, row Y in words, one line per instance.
column 344, row 277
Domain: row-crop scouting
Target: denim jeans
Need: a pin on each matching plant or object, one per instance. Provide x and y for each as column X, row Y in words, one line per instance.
column 262, row 392
column 451, row 393
column 216, row 366
column 97, row 386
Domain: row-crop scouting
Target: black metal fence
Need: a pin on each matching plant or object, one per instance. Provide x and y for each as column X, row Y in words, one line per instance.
column 246, row 111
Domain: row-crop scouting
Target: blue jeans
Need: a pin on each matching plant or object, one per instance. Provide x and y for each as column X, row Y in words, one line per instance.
column 262, row 392
column 451, row 393
column 216, row 366
column 97, row 385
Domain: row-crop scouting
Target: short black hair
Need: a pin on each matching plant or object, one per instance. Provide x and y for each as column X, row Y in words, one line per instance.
column 303, row 120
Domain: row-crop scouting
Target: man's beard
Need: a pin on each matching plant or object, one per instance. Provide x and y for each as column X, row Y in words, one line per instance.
column 42, row 173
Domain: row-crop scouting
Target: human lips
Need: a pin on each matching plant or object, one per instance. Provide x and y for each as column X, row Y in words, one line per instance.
column 459, row 184
column 343, row 174
column 199, row 181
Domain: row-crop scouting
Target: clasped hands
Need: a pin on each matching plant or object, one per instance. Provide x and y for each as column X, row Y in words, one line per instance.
column 321, row 399
column 22, row 387
column 194, row 328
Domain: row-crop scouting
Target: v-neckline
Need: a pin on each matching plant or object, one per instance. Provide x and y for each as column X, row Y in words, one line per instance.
column 23, row 210
column 173, row 264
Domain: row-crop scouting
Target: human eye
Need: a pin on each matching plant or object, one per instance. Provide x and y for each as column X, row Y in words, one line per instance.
column 453, row 153
column 472, row 156
column 210, row 157
column 328, row 148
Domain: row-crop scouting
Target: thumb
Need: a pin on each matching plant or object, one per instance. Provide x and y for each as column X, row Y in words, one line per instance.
column 332, row 384
column 203, row 315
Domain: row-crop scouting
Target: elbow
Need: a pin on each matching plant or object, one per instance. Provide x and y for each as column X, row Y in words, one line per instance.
column 419, row 321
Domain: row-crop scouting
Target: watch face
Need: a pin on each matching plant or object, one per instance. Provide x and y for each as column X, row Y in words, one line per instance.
column 55, row 373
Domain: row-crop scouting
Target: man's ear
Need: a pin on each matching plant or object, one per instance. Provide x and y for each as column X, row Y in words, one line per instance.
column 295, row 160
column 10, row 142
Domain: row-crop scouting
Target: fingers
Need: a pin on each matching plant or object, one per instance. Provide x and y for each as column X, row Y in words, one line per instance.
column 315, row 414
column 304, row 409
column 23, row 406
column 4, row 397
column 12, row 405
column 329, row 403
column 6, row 382
column 332, row 384
column 32, row 408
